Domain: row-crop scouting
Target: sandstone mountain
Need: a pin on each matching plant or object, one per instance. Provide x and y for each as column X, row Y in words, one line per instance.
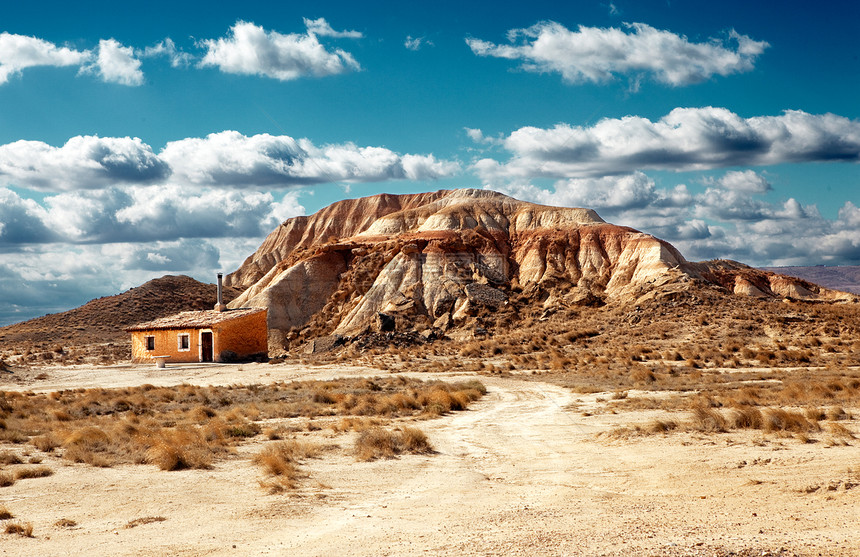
column 432, row 262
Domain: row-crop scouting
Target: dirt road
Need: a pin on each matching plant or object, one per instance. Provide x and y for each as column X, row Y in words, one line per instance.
column 520, row 473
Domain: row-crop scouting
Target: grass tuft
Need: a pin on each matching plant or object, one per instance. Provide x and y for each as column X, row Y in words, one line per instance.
column 25, row 529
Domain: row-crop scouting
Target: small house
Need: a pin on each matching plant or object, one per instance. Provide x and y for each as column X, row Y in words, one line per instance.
column 219, row 335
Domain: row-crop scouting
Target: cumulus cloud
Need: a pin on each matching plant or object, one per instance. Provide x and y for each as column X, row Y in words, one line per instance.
column 747, row 181
column 22, row 221
column 166, row 257
column 608, row 194
column 722, row 221
column 592, row 54
column 224, row 159
column 18, row 52
column 116, row 63
column 141, row 214
column 231, row 159
column 251, row 50
column 84, row 162
column 684, row 139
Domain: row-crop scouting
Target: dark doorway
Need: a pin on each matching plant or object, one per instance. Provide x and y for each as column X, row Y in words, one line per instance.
column 206, row 346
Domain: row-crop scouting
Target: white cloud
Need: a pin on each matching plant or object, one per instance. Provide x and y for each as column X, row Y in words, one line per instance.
column 592, row 54
column 18, row 52
column 684, row 139
column 716, row 223
column 22, row 221
column 321, row 27
column 84, row 162
column 746, row 181
column 167, row 48
column 224, row 159
column 116, row 64
column 231, row 159
column 415, row 43
column 141, row 214
column 251, row 50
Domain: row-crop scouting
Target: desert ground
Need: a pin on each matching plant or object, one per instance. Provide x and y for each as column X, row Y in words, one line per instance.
column 531, row 468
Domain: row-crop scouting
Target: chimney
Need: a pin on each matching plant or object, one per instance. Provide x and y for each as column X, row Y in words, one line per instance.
column 220, row 306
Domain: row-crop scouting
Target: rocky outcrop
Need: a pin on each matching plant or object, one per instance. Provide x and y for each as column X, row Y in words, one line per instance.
column 436, row 260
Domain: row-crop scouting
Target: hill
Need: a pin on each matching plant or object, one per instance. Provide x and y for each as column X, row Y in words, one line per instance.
column 451, row 261
column 102, row 322
column 845, row 278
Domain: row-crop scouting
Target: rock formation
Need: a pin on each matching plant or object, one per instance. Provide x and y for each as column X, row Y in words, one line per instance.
column 435, row 259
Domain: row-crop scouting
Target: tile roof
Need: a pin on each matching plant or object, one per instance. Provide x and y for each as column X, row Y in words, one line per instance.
column 194, row 319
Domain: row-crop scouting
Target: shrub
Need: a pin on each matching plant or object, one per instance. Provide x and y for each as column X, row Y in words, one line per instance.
column 25, row 530
column 8, row 457
column 708, row 419
column 777, row 419
column 33, row 472
column 746, row 417
column 180, row 449
column 377, row 443
column 5, row 514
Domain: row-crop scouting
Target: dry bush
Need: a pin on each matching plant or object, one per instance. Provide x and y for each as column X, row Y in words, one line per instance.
column 65, row 523
column 840, row 431
column 33, row 472
column 45, row 443
column 778, row 419
column 746, row 417
column 180, row 449
column 280, row 463
column 7, row 479
column 22, row 529
column 377, row 443
column 415, row 441
column 5, row 514
column 661, row 426
column 8, row 457
column 188, row 426
column 708, row 420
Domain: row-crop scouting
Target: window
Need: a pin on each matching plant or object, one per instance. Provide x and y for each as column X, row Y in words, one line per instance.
column 150, row 342
column 184, row 342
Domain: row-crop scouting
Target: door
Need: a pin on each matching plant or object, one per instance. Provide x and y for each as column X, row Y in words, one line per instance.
column 206, row 346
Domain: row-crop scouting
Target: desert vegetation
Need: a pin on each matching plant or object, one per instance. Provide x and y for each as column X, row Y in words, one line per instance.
column 191, row 427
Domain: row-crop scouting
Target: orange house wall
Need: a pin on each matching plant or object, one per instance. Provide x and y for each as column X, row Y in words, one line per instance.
column 245, row 336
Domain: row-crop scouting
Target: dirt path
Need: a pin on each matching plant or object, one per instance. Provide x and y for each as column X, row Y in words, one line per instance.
column 520, row 473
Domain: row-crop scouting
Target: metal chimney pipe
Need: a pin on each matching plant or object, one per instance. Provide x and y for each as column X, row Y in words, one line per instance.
column 220, row 306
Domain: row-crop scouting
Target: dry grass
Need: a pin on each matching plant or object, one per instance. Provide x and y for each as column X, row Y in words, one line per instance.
column 5, row 514
column 65, row 523
column 22, row 529
column 8, row 457
column 180, row 449
column 280, row 461
column 145, row 520
column 375, row 443
column 33, row 472
column 191, row 427
column 704, row 419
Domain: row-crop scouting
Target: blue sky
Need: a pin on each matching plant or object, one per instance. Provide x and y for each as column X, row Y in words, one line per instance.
column 171, row 139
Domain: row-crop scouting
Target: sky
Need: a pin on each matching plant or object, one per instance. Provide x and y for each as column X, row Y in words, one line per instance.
column 172, row 137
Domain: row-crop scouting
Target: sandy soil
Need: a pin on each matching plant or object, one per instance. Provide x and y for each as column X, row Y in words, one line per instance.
column 520, row 473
